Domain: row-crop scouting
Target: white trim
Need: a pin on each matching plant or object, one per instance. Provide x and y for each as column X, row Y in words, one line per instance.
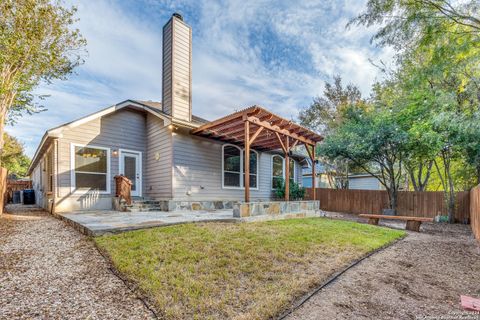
column 140, row 168
column 283, row 169
column 106, row 111
column 242, row 152
column 73, row 188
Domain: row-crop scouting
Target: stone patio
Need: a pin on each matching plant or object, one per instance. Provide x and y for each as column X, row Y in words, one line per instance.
column 96, row 223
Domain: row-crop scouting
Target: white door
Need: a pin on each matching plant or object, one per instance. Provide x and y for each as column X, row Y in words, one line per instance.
column 131, row 167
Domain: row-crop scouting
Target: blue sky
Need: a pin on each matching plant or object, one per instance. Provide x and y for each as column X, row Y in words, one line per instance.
column 277, row 54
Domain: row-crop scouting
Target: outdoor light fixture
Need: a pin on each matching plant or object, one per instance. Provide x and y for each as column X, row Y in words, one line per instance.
column 171, row 127
column 115, row 153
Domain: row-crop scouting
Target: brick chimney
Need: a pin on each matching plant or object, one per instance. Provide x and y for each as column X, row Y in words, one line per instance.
column 177, row 68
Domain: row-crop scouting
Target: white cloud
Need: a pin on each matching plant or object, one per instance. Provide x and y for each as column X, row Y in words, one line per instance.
column 229, row 69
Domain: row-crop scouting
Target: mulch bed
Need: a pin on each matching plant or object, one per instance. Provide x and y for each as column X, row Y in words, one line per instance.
column 49, row 270
column 420, row 276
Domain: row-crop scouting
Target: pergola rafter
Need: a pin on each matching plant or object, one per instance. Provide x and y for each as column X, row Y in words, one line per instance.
column 257, row 128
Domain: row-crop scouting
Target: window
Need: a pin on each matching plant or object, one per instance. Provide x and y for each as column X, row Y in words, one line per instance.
column 292, row 169
column 253, row 169
column 90, row 168
column 233, row 167
column 278, row 171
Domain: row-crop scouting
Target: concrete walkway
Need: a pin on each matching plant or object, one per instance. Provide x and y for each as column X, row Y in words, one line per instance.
column 50, row 271
column 96, row 223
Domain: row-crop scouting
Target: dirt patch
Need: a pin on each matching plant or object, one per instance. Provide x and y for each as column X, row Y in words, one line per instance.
column 50, row 271
column 421, row 275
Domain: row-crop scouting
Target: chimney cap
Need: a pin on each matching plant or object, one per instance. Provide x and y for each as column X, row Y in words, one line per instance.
column 177, row 15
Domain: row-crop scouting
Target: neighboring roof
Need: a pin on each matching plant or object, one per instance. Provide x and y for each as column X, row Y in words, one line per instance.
column 360, row 175
column 231, row 129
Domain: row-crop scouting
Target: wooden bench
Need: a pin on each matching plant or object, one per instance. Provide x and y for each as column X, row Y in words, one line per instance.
column 413, row 223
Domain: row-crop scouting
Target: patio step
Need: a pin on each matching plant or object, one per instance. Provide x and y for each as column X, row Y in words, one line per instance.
column 143, row 205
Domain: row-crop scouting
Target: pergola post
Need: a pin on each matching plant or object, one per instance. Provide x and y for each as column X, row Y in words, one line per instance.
column 311, row 154
column 287, row 170
column 313, row 174
column 246, row 166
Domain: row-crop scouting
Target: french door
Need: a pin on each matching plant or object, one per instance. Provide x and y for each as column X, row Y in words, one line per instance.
column 131, row 167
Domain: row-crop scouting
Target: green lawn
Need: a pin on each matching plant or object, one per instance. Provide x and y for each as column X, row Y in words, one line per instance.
column 242, row 270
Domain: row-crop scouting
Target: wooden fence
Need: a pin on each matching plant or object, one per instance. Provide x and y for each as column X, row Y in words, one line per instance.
column 3, row 188
column 410, row 203
column 475, row 211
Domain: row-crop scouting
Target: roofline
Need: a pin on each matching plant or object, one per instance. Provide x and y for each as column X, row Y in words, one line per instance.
column 56, row 132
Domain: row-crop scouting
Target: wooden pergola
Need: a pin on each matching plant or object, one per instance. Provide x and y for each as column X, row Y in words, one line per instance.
column 259, row 129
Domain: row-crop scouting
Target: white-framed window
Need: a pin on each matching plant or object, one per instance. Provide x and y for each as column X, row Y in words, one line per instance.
column 253, row 169
column 233, row 160
column 278, row 170
column 90, row 168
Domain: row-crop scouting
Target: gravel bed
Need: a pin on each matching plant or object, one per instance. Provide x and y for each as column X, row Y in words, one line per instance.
column 50, row 271
column 419, row 277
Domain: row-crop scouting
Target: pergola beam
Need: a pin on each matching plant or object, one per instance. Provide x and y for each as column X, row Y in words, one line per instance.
column 277, row 129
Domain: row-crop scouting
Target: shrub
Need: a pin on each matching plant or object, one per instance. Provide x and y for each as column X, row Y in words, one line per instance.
column 297, row 192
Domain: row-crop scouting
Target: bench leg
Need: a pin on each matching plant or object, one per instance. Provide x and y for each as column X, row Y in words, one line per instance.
column 373, row 221
column 413, row 225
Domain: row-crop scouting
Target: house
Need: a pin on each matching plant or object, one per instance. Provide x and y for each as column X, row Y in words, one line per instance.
column 363, row 181
column 168, row 153
column 321, row 180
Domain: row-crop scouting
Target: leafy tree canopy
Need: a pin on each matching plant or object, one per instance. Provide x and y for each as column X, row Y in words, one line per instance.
column 37, row 44
column 14, row 158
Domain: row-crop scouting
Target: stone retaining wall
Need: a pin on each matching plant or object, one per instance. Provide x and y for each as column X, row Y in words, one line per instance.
column 276, row 208
column 174, row 205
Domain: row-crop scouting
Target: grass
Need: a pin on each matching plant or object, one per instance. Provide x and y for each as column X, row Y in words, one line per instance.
column 238, row 271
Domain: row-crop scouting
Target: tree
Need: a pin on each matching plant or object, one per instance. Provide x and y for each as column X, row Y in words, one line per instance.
column 13, row 157
column 326, row 114
column 374, row 142
column 37, row 45
column 405, row 24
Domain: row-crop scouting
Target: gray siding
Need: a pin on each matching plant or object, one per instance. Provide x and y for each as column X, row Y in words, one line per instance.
column 158, row 166
column 167, row 68
column 123, row 129
column 197, row 169
column 364, row 183
column 177, row 91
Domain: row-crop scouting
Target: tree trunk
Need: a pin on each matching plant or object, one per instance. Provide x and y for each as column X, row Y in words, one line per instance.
column 393, row 200
column 478, row 175
column 451, row 196
column 2, row 142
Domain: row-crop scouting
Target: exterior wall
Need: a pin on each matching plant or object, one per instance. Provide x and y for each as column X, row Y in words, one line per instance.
column 38, row 184
column 364, row 183
column 321, row 181
column 43, row 179
column 197, row 172
column 123, row 129
column 158, row 167
column 177, row 84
